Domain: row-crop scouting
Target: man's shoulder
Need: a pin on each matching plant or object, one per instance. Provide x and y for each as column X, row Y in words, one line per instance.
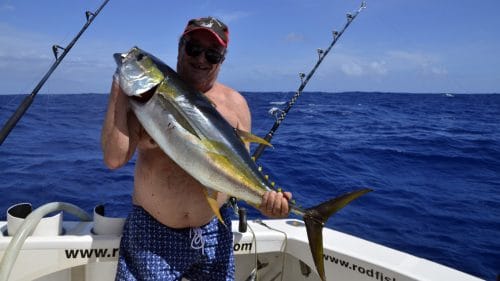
column 225, row 89
column 230, row 93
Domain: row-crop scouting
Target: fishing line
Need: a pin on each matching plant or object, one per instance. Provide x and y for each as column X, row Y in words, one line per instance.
column 256, row 260
column 59, row 54
column 304, row 80
column 284, row 249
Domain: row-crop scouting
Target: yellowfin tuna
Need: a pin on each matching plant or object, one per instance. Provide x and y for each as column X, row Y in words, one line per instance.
column 192, row 133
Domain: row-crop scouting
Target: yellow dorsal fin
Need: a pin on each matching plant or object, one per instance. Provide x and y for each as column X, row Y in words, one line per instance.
column 214, row 205
column 249, row 137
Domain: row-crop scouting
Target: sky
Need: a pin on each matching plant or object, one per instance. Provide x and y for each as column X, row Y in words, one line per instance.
column 415, row 46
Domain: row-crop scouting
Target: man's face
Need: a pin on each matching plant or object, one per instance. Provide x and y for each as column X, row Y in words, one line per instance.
column 195, row 69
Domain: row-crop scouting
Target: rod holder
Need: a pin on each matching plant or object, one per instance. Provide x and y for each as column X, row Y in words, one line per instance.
column 106, row 225
column 242, row 227
column 48, row 226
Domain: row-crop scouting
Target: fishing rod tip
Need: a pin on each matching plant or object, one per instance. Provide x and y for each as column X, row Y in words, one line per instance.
column 363, row 6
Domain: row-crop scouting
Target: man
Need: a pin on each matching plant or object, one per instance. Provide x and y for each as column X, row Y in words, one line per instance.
column 172, row 232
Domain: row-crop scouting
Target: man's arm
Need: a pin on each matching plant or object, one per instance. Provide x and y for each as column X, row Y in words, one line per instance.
column 119, row 133
column 274, row 204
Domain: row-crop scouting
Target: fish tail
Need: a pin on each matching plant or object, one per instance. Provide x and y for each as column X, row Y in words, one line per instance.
column 315, row 218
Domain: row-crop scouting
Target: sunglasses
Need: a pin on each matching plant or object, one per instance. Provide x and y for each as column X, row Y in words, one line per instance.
column 194, row 50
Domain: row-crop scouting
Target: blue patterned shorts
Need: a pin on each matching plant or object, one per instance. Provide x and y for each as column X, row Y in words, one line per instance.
column 150, row 250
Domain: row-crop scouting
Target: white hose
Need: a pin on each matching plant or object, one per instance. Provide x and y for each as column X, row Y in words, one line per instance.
column 29, row 224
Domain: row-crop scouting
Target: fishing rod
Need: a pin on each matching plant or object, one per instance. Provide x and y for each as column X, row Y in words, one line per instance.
column 28, row 100
column 321, row 55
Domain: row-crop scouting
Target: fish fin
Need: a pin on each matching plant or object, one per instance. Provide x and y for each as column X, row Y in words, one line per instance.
column 315, row 219
column 211, row 196
column 165, row 98
column 187, row 126
column 249, row 137
column 222, row 160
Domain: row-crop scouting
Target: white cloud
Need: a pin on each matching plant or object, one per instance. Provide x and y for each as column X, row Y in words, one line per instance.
column 412, row 61
column 439, row 70
column 22, row 55
column 19, row 43
column 412, row 57
column 7, row 7
column 26, row 56
column 230, row 17
column 352, row 69
column 379, row 67
column 294, row 37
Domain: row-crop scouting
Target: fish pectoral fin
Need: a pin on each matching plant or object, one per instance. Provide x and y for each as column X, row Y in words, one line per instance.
column 170, row 106
column 249, row 137
column 214, row 205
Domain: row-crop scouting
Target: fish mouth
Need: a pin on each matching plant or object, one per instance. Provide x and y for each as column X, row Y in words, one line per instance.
column 119, row 57
column 146, row 96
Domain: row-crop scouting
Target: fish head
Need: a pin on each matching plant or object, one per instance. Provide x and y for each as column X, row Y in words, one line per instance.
column 137, row 72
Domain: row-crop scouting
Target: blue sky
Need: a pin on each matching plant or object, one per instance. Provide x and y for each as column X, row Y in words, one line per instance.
column 418, row 46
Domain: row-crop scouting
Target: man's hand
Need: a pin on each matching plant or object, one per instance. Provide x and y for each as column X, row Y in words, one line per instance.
column 275, row 204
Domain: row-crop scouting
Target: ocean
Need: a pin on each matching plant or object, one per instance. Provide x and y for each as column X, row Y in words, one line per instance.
column 433, row 161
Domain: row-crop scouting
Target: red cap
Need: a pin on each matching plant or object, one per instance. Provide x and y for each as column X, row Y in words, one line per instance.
column 215, row 26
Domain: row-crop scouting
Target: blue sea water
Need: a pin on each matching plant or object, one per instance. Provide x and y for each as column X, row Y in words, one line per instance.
column 433, row 161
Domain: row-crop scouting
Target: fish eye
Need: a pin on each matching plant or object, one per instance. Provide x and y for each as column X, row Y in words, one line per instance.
column 140, row 57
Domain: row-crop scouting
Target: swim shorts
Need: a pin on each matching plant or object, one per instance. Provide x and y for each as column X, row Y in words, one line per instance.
column 150, row 250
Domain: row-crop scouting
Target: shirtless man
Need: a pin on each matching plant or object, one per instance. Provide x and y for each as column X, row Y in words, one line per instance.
column 172, row 232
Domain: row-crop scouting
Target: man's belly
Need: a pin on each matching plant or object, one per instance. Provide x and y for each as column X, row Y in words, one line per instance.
column 170, row 194
column 184, row 206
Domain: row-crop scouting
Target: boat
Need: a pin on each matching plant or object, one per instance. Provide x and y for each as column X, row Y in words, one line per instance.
column 40, row 245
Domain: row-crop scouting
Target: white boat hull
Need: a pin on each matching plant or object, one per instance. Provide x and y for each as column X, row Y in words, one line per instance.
column 279, row 246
